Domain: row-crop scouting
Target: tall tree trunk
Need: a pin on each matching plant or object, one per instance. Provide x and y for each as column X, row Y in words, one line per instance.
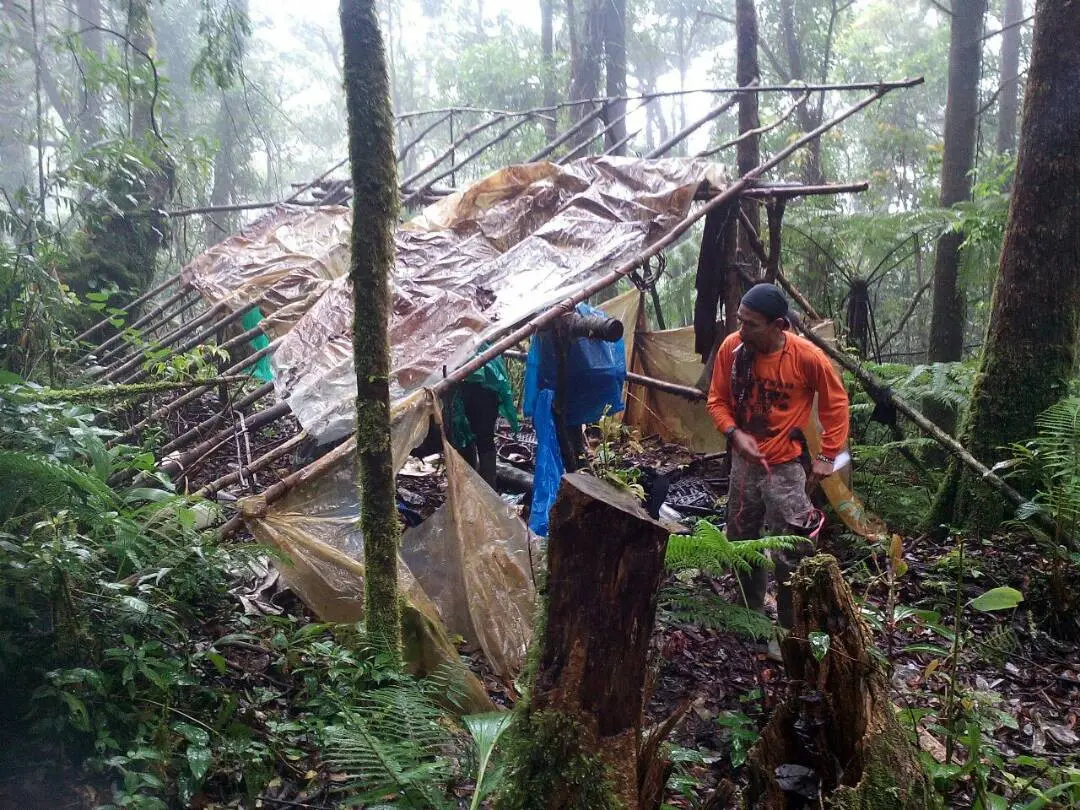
column 1009, row 92
column 748, row 152
column 89, row 19
column 222, row 223
column 1031, row 343
column 586, row 52
column 961, row 110
column 375, row 208
column 614, row 14
column 547, row 49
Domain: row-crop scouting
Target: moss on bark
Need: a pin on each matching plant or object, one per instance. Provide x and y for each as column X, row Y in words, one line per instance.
column 1030, row 348
column 554, row 765
column 375, row 207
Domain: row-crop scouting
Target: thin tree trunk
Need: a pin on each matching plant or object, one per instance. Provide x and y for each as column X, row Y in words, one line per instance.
column 221, row 224
column 586, row 50
column 1009, row 92
column 375, row 207
column 614, row 15
column 1031, row 342
column 961, row 111
column 547, row 49
column 748, row 152
column 89, row 18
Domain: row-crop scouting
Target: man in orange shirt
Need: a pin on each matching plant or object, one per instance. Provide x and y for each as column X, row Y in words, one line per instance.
column 761, row 398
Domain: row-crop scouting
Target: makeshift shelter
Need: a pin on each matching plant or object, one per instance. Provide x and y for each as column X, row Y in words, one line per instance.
column 487, row 265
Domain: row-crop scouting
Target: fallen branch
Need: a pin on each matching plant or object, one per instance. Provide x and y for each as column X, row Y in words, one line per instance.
column 109, row 393
column 879, row 390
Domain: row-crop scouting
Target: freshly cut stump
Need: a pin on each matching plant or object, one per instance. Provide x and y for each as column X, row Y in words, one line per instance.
column 836, row 734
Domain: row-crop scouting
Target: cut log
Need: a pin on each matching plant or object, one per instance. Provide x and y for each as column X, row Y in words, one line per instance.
column 579, row 735
column 835, row 740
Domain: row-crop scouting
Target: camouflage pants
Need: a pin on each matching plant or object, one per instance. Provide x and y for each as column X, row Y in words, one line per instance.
column 773, row 503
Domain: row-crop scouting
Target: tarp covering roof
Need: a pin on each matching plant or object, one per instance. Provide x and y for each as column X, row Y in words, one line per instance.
column 521, row 239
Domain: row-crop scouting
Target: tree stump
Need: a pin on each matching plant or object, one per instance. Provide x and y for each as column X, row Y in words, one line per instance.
column 836, row 734
column 577, row 739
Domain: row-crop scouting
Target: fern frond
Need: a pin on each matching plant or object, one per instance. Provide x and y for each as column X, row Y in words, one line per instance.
column 709, row 611
column 395, row 749
column 709, row 550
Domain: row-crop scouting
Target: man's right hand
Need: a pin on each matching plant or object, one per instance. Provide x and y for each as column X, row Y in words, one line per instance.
column 746, row 445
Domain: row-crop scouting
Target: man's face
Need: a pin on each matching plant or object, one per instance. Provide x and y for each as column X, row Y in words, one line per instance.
column 756, row 331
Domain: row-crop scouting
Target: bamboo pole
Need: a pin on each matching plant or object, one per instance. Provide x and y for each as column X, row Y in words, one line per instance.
column 681, row 135
column 113, row 392
column 183, row 399
column 768, row 88
column 96, row 352
column 142, row 299
column 125, row 351
column 263, row 461
column 176, row 467
column 208, row 424
column 412, row 178
column 756, row 132
column 622, row 142
column 139, row 355
column 687, row 391
column 789, row 190
column 570, row 133
column 600, row 133
column 404, row 150
column 468, row 159
column 199, row 337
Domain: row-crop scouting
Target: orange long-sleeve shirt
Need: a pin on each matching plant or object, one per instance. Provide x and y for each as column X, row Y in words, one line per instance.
column 781, row 398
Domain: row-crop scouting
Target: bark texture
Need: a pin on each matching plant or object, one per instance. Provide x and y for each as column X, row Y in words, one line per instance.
column 1030, row 348
column 375, row 207
column 581, row 732
column 1009, row 90
column 961, row 113
column 748, row 152
column 836, row 734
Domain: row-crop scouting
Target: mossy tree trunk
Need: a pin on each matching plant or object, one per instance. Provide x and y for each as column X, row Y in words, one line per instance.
column 836, row 734
column 576, row 740
column 961, row 114
column 1030, row 349
column 375, row 207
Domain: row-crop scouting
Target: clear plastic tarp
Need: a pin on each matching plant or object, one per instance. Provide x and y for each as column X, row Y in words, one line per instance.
column 506, row 247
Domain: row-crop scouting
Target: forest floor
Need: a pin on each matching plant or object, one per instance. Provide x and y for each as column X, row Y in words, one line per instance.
column 1018, row 684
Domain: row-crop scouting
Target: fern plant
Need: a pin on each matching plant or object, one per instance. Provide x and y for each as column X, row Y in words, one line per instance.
column 399, row 749
column 709, row 550
column 1051, row 464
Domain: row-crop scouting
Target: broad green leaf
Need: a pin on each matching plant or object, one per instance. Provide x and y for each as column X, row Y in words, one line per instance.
column 819, row 644
column 1003, row 598
column 485, row 730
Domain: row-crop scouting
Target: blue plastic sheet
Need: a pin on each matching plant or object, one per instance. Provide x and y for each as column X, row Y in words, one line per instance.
column 595, row 373
column 549, row 463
